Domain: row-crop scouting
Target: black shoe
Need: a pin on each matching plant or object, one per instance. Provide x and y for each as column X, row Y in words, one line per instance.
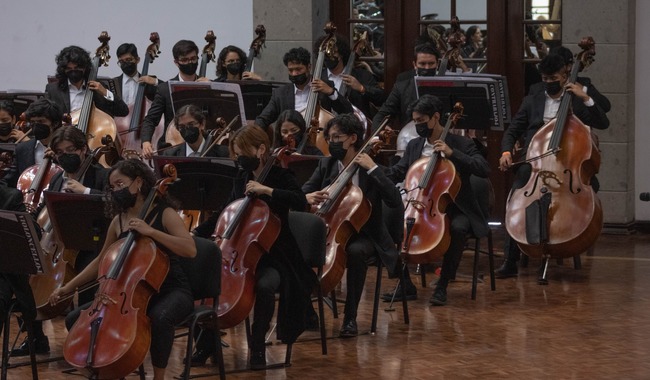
column 201, row 356
column 349, row 329
column 508, row 269
column 439, row 297
column 311, row 324
column 411, row 294
column 258, row 360
column 41, row 346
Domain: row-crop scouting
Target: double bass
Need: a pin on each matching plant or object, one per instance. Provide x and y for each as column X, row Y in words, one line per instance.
column 256, row 46
column 129, row 126
column 93, row 122
column 172, row 135
column 557, row 213
column 246, row 230
column 345, row 212
column 431, row 184
column 112, row 336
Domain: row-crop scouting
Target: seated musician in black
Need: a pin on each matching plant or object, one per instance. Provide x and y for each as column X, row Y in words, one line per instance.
column 295, row 94
column 345, row 136
column 231, row 65
column 73, row 65
column 8, row 132
column 290, row 127
column 130, row 183
column 465, row 213
column 283, row 268
column 537, row 109
column 190, row 122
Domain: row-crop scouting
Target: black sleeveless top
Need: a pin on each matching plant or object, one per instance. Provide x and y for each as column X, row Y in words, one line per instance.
column 176, row 277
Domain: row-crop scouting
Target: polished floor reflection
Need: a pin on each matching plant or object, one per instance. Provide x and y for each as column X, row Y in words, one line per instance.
column 590, row 323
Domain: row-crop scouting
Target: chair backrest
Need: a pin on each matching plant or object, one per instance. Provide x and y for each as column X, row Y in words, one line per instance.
column 310, row 233
column 204, row 270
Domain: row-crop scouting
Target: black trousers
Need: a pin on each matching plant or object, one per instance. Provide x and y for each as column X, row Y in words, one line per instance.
column 360, row 250
column 268, row 282
column 166, row 309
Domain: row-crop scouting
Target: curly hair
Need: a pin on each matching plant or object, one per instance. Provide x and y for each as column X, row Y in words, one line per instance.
column 221, row 60
column 297, row 55
column 71, row 54
column 348, row 124
column 46, row 108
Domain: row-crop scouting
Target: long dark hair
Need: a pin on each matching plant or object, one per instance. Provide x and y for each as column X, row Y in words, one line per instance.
column 293, row 117
column 73, row 54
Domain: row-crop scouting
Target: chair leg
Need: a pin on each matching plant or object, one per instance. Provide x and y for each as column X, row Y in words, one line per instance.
column 477, row 247
column 188, row 352
column 493, row 284
column 577, row 263
column 335, row 308
column 217, row 337
column 141, row 372
column 32, row 348
column 405, row 308
column 5, row 344
column 321, row 320
column 423, row 275
column 287, row 356
column 375, row 308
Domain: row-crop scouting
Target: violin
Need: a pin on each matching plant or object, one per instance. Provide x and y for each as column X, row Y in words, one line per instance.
column 92, row 121
column 557, row 213
column 345, row 212
column 431, row 184
column 172, row 135
column 246, row 230
column 129, row 126
column 256, row 46
column 112, row 336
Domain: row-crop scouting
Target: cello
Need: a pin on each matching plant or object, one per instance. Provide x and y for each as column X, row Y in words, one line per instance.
column 557, row 213
column 93, row 122
column 431, row 184
column 345, row 212
column 112, row 336
column 172, row 135
column 129, row 126
column 246, row 230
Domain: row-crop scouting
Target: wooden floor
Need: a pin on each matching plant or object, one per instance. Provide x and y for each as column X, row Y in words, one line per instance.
column 586, row 324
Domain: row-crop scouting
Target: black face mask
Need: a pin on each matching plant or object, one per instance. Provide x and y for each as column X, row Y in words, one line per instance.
column 190, row 134
column 423, row 130
column 123, row 199
column 248, row 164
column 337, row 151
column 426, row 72
column 188, row 68
column 552, row 88
column 234, row 68
column 5, row 129
column 129, row 68
column 75, row 75
column 331, row 63
column 41, row 131
column 70, row 162
column 298, row 80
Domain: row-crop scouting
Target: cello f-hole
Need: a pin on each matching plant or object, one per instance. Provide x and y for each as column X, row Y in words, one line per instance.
column 570, row 173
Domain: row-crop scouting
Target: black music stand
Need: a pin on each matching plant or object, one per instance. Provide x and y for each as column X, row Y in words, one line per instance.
column 21, row 99
column 205, row 183
column 257, row 95
column 78, row 219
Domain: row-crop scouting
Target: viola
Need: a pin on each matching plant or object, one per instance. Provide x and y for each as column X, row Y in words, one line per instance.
column 557, row 213
column 246, row 230
column 129, row 126
column 172, row 135
column 92, row 121
column 256, row 46
column 112, row 336
column 345, row 212
column 431, row 184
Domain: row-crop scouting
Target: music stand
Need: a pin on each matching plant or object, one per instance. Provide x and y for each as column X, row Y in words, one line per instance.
column 257, row 95
column 21, row 248
column 205, row 183
column 20, row 98
column 79, row 219
column 216, row 99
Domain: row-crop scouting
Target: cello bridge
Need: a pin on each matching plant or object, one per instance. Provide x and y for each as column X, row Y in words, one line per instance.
column 548, row 176
column 417, row 204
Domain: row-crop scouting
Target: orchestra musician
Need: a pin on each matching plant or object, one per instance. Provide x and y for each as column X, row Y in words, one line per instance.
column 190, row 122
column 538, row 108
column 126, row 84
column 291, row 126
column 186, row 58
column 465, row 213
column 294, row 95
column 344, row 134
column 8, row 131
column 130, row 182
column 44, row 116
column 73, row 66
column 231, row 65
column 282, row 269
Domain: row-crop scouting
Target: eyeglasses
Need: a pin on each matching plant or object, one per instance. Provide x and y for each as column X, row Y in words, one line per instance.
column 336, row 138
column 125, row 61
column 186, row 60
column 119, row 185
column 181, row 127
column 233, row 61
column 69, row 150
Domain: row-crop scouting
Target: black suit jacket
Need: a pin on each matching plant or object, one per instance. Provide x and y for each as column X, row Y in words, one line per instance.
column 23, row 159
column 215, row 151
column 96, row 179
column 377, row 189
column 397, row 103
column 598, row 98
column 468, row 161
column 373, row 94
column 161, row 106
column 530, row 117
column 149, row 90
column 117, row 107
column 283, row 98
